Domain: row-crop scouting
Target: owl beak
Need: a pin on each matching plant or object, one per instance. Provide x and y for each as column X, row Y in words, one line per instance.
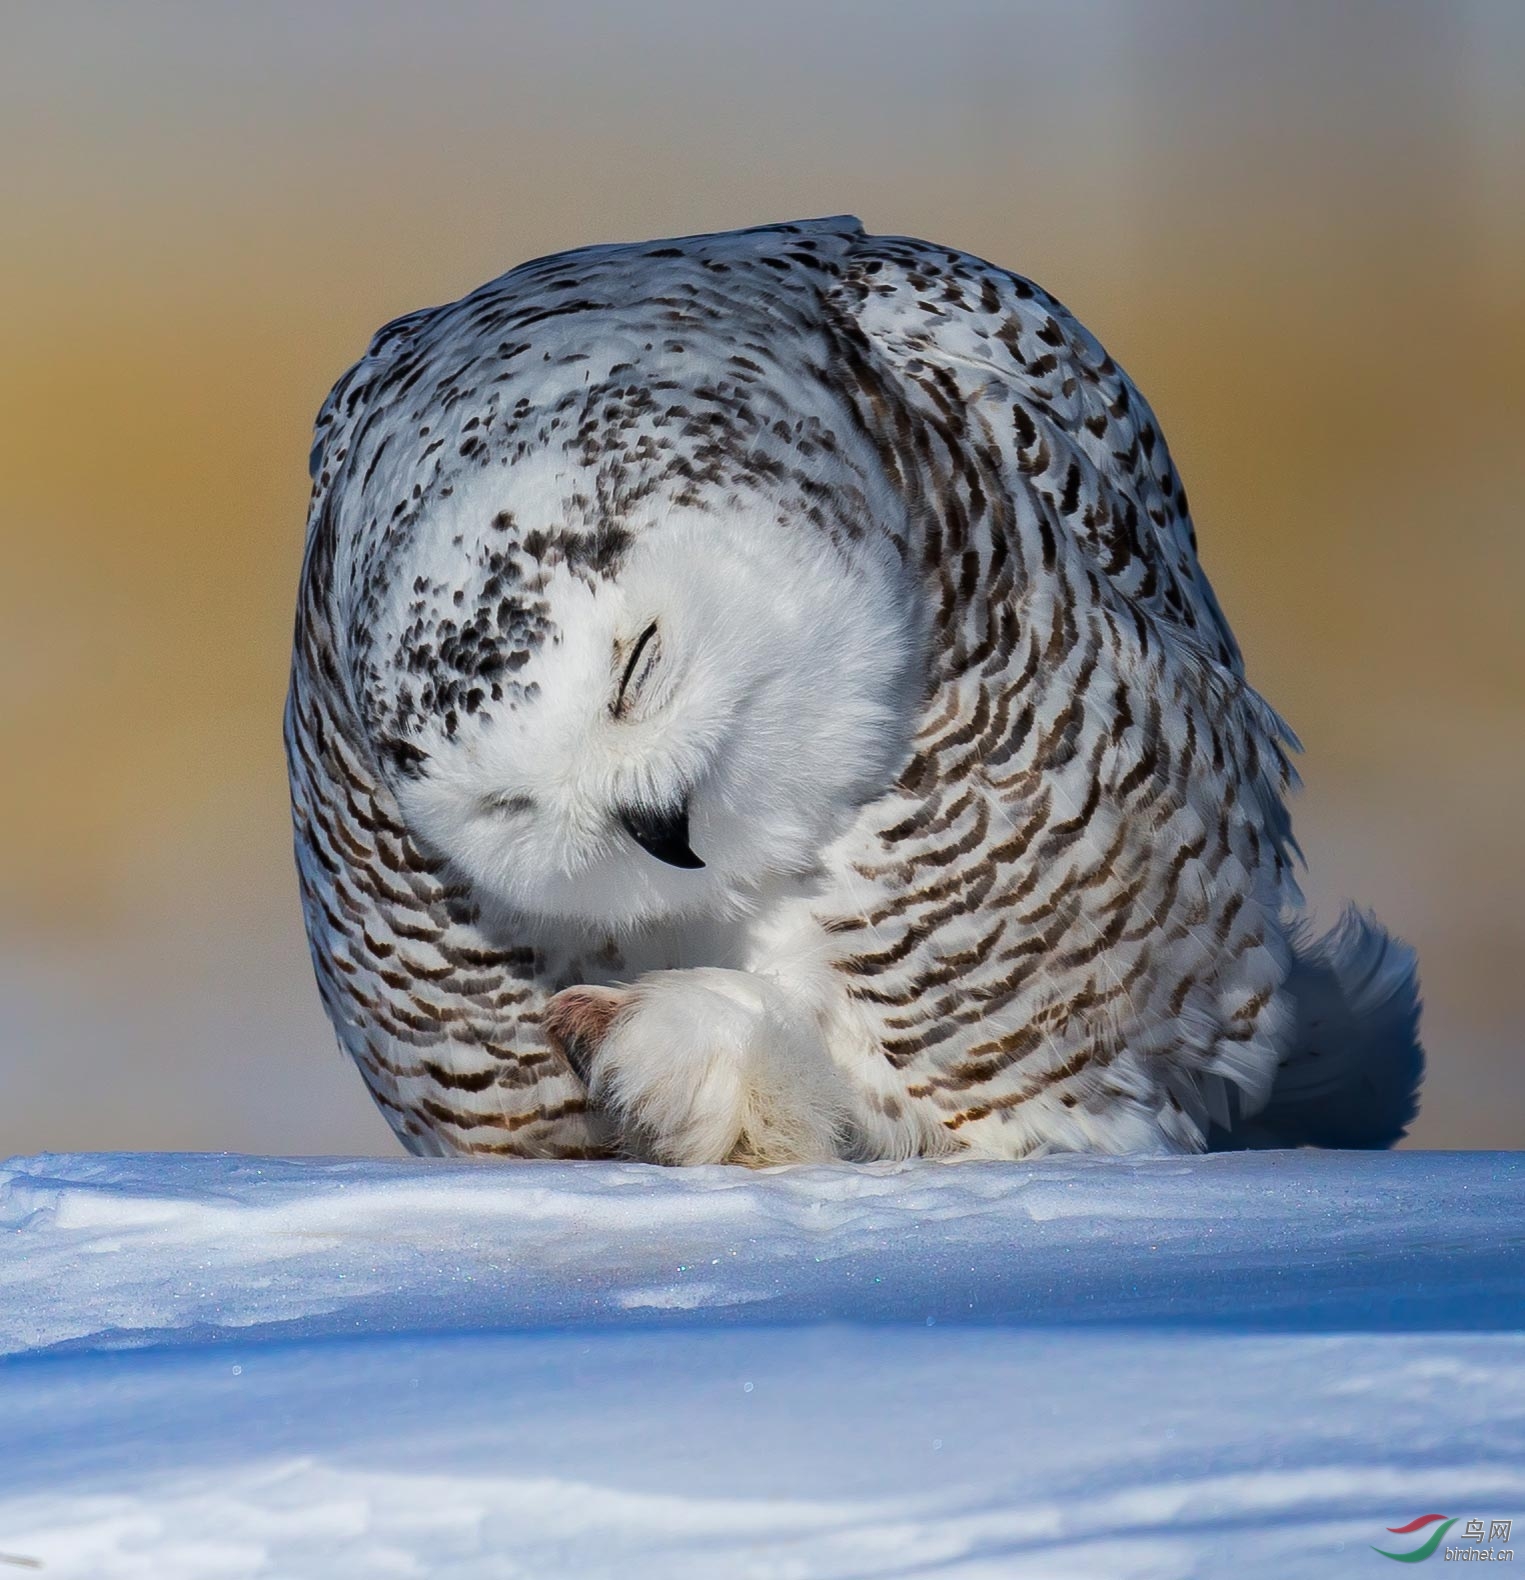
column 663, row 834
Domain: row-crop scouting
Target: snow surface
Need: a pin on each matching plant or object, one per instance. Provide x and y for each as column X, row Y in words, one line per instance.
column 1248, row 1363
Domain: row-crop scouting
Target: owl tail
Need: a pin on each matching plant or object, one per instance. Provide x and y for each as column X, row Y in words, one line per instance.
column 1352, row 1077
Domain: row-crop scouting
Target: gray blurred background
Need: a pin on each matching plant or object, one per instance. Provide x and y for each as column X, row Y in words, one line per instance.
column 1300, row 226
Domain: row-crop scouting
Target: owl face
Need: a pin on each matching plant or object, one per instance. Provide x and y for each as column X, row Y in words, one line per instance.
column 696, row 722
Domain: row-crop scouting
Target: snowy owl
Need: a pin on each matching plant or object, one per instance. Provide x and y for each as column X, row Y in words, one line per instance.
column 755, row 699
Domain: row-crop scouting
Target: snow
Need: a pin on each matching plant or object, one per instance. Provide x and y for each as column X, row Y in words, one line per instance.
column 225, row 1366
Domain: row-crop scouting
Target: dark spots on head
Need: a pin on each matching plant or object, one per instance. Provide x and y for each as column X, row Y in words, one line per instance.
column 405, row 757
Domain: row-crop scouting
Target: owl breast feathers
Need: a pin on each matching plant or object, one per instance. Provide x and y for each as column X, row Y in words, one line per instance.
column 755, row 698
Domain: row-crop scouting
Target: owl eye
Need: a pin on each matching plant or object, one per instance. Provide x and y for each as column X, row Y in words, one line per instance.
column 642, row 660
column 506, row 804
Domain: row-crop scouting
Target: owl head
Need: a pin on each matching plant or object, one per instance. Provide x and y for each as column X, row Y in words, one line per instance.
column 620, row 724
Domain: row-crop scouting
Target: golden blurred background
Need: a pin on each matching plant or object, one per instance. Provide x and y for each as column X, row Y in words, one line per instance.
column 1300, row 226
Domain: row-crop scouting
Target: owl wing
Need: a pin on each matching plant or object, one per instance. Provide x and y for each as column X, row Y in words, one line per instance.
column 1067, row 907
column 1069, row 423
column 1008, row 392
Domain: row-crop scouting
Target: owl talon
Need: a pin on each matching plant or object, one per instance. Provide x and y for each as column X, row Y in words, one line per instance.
column 577, row 1020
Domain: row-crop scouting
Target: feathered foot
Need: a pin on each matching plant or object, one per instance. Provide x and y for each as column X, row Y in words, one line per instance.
column 703, row 1066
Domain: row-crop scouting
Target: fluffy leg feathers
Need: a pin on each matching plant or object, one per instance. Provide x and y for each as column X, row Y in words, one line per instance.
column 704, row 1066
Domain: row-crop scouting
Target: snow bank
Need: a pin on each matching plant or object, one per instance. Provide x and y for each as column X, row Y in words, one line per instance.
column 236, row 1367
column 106, row 1251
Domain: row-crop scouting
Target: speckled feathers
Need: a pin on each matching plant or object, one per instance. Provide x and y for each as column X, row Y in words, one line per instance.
column 994, row 827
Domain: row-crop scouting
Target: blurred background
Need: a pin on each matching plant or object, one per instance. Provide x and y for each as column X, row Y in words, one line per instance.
column 1301, row 227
